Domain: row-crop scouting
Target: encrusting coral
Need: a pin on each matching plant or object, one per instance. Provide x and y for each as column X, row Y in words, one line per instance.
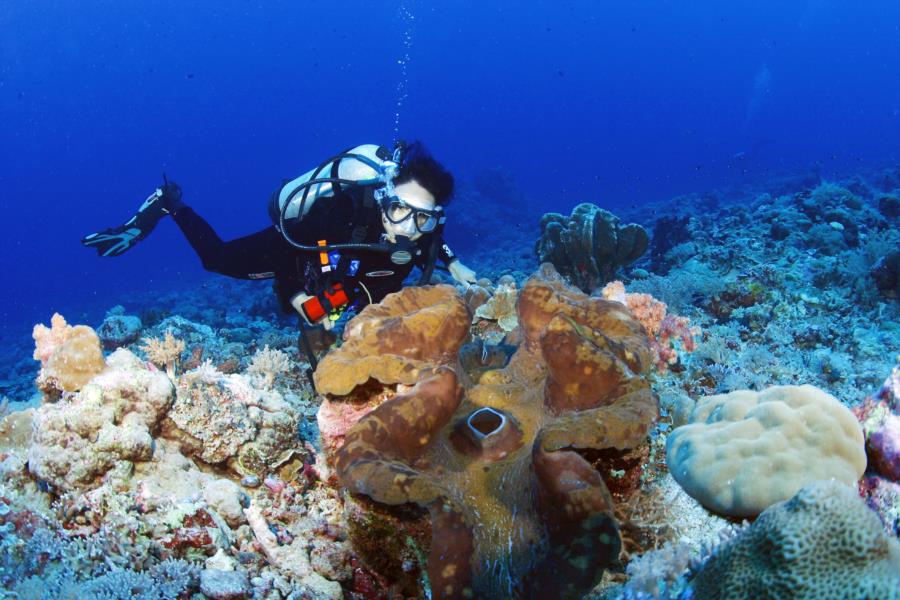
column 513, row 471
column 742, row 452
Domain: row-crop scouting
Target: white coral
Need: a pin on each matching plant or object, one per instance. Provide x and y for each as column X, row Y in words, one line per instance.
column 268, row 364
column 108, row 422
column 502, row 306
column 164, row 352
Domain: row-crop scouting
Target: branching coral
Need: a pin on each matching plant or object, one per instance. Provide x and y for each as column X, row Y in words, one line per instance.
column 501, row 307
column 268, row 364
column 508, row 470
column 164, row 352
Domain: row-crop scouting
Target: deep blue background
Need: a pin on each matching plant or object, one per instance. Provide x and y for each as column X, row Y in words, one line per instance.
column 610, row 102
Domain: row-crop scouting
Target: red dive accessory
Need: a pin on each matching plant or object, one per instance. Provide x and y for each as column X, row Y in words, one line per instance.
column 319, row 306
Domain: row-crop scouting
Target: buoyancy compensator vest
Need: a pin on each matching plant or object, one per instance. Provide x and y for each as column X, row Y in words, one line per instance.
column 368, row 165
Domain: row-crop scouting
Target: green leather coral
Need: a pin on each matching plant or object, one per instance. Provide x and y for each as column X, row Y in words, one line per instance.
column 514, row 507
column 822, row 544
column 590, row 245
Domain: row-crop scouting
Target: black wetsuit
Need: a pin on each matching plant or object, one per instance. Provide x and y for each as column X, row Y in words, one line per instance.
column 267, row 255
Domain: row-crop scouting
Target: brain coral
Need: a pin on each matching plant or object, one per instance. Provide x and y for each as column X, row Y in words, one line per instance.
column 508, row 469
column 822, row 544
column 108, row 424
column 742, row 452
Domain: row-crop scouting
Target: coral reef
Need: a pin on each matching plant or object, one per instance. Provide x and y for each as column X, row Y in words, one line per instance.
column 789, row 281
column 822, row 543
column 590, row 245
column 221, row 418
column 742, row 452
column 773, row 310
column 570, row 402
column 97, row 498
column 105, row 427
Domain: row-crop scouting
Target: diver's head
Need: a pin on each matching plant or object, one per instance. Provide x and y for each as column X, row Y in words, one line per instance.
column 421, row 189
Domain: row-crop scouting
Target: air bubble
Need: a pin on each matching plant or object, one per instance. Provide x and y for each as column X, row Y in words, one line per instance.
column 407, row 18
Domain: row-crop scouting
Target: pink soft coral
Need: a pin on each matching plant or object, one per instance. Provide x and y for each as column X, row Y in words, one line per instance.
column 664, row 330
column 48, row 339
column 70, row 356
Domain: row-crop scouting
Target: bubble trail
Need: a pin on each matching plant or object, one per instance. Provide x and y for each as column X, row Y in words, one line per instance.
column 407, row 18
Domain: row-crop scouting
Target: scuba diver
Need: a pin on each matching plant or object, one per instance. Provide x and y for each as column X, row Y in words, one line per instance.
column 344, row 234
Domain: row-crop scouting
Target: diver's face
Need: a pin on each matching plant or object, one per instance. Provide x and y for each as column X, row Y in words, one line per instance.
column 415, row 196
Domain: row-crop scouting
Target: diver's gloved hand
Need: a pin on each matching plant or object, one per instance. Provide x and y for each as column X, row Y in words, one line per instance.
column 117, row 240
column 171, row 196
column 461, row 273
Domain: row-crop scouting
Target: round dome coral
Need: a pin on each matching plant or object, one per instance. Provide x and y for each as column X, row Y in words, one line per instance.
column 744, row 451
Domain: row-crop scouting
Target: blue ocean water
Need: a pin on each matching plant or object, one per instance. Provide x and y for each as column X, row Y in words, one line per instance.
column 617, row 103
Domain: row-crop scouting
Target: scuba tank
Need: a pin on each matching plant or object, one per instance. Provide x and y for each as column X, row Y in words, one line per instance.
column 365, row 165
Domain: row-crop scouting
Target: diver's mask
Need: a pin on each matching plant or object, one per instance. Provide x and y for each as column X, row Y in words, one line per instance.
column 408, row 219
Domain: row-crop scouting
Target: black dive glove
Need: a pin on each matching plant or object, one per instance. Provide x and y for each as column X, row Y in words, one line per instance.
column 171, row 196
column 117, row 240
